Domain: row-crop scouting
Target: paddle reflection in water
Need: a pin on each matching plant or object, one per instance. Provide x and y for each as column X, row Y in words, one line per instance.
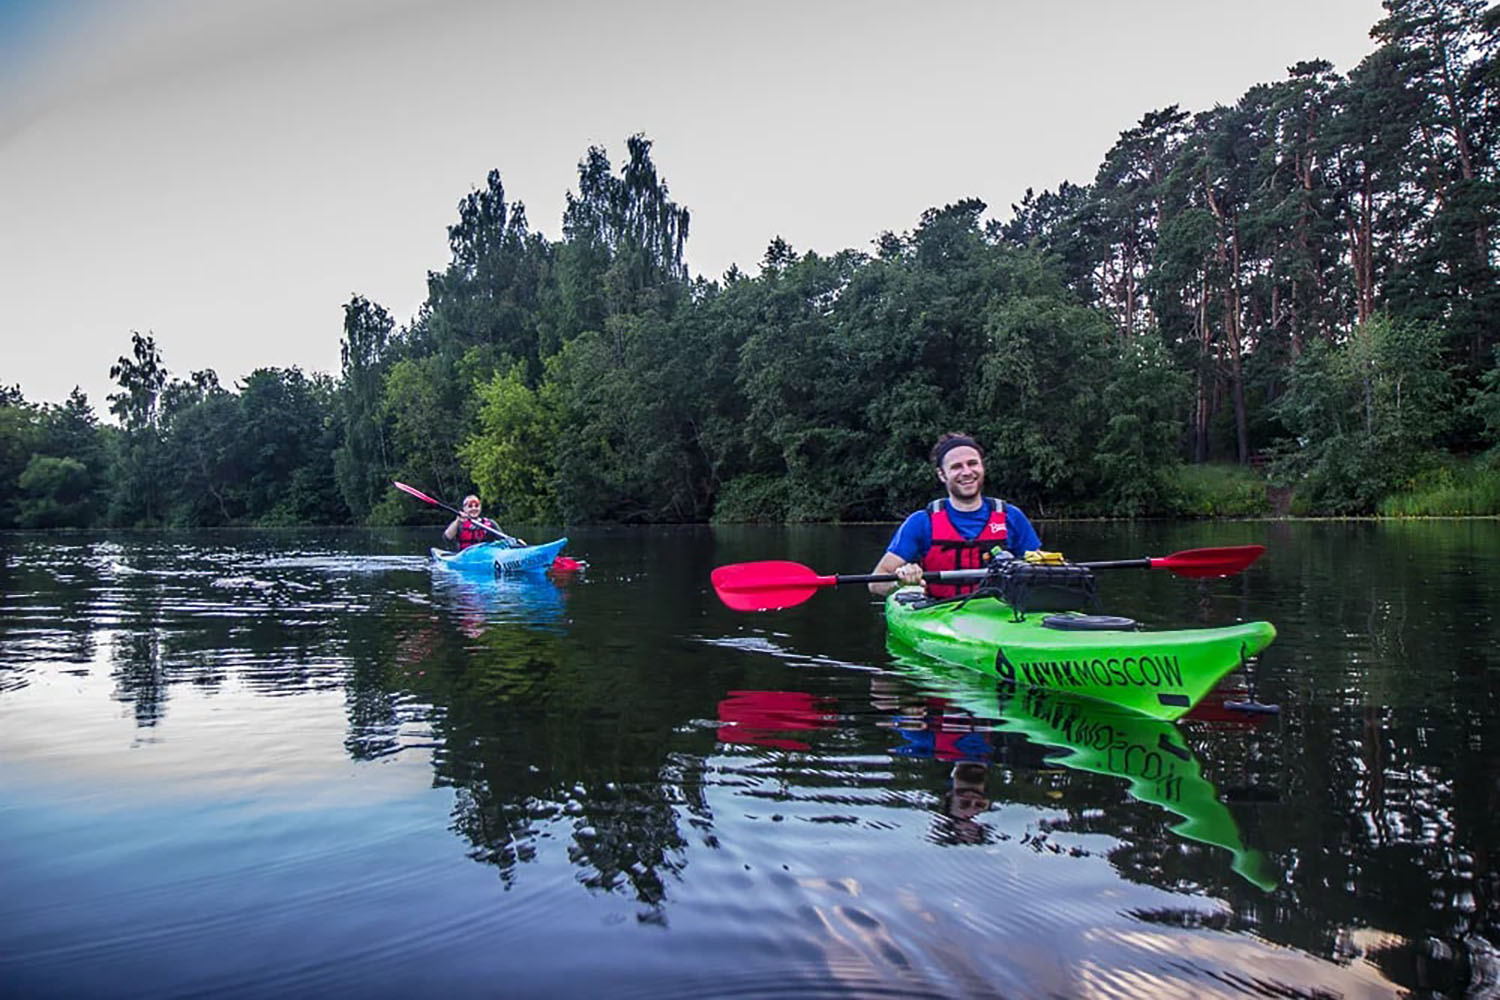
column 763, row 717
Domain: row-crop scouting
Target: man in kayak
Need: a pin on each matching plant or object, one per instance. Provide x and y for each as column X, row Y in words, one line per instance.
column 470, row 529
column 963, row 530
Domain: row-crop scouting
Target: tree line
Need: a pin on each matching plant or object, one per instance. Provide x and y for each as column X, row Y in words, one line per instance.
column 1302, row 284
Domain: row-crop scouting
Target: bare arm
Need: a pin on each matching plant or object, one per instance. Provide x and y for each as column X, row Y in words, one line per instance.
column 891, row 563
column 451, row 532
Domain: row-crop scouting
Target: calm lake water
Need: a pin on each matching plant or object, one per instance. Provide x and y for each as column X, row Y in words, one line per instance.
column 289, row 763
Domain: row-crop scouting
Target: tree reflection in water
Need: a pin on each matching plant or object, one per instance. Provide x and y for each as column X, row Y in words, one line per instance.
column 558, row 726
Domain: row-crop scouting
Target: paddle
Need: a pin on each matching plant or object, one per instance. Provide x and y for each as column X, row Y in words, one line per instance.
column 775, row 584
column 1225, row 560
column 438, row 503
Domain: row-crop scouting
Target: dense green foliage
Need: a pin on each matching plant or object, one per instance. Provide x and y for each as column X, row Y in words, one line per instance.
column 1217, row 489
column 1304, row 282
column 1449, row 487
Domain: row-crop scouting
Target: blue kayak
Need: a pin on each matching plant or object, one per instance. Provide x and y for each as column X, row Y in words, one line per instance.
column 497, row 557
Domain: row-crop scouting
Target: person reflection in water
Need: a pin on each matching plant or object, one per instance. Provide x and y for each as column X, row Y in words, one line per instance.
column 962, row 803
column 934, row 728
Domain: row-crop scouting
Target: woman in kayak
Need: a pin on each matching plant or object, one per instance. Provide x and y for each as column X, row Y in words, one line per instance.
column 471, row 529
column 963, row 530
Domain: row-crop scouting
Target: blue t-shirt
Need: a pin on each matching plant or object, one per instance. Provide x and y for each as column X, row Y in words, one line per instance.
column 912, row 540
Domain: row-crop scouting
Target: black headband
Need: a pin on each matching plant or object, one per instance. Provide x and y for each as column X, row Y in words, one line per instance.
column 961, row 441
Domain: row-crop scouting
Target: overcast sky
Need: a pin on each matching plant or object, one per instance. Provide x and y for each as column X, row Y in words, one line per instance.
column 226, row 174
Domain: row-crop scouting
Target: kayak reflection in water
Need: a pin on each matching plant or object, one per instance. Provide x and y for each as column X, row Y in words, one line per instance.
column 963, row 530
column 480, row 602
column 470, row 529
column 975, row 723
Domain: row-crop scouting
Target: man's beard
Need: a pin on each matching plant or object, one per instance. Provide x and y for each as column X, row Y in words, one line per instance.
column 973, row 490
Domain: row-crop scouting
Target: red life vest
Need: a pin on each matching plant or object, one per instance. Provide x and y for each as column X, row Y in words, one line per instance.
column 470, row 532
column 950, row 550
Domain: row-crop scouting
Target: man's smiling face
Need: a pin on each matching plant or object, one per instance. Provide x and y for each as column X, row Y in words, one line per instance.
column 962, row 472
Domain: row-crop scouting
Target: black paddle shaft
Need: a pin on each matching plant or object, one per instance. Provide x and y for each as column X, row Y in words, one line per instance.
column 1118, row 564
column 971, row 574
column 930, row 575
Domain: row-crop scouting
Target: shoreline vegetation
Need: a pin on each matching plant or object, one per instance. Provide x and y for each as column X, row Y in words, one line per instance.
column 892, row 523
column 1286, row 306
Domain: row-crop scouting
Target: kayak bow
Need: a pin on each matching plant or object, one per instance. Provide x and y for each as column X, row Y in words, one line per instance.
column 1162, row 674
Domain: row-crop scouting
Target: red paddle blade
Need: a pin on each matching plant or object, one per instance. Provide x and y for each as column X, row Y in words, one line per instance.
column 1224, row 561
column 566, row 564
column 414, row 492
column 766, row 586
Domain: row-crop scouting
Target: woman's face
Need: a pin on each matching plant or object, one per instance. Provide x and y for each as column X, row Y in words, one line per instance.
column 471, row 506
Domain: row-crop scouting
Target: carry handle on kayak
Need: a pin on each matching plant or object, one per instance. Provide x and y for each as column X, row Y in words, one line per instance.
column 774, row 584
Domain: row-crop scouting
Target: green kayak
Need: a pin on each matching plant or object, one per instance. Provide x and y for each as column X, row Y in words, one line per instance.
column 1161, row 674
